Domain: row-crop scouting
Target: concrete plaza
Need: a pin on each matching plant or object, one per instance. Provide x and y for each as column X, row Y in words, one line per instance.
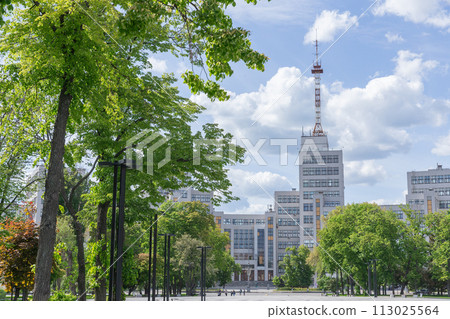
column 272, row 295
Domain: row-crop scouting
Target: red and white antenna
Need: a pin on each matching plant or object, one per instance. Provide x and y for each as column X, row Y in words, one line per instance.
column 317, row 70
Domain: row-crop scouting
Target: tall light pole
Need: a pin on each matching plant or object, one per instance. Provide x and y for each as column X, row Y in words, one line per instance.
column 119, row 229
column 166, row 286
column 203, row 273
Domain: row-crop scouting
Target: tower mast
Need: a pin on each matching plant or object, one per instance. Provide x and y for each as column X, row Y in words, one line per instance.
column 317, row 70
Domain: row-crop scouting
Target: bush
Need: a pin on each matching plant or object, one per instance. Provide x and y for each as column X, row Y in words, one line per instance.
column 59, row 295
column 2, row 294
column 278, row 282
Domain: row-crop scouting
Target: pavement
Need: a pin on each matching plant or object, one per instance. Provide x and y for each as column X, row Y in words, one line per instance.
column 272, row 295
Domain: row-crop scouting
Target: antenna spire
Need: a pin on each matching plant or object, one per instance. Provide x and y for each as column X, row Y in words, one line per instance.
column 317, row 71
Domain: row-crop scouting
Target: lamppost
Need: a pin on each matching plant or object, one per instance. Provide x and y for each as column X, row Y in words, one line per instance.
column 119, row 229
column 152, row 277
column 166, row 285
column 203, row 273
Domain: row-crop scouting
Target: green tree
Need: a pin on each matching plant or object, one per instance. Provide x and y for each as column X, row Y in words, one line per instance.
column 357, row 233
column 438, row 224
column 297, row 272
column 413, row 251
column 42, row 73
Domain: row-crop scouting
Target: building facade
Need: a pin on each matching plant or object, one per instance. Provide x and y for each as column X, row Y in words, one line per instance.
column 252, row 243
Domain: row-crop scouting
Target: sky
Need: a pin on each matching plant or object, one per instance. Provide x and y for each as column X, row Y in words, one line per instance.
column 385, row 94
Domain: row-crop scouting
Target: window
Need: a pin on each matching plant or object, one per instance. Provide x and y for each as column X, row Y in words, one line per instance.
column 308, row 231
column 288, row 222
column 287, row 244
column 240, row 221
column 308, row 171
column 288, row 233
column 243, row 239
column 331, row 194
column 227, row 221
column 288, row 199
column 308, row 195
column 321, row 183
column 331, row 204
column 260, row 222
column 399, row 214
column 444, row 204
column 308, row 219
column 288, row 210
column 328, row 159
column 309, row 243
column 308, row 207
column 201, row 198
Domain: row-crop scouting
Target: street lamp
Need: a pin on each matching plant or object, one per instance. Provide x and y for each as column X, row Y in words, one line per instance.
column 119, row 229
column 152, row 278
column 203, row 273
column 166, row 285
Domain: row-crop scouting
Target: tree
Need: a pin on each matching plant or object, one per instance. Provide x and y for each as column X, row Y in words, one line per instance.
column 413, row 250
column 297, row 272
column 18, row 249
column 357, row 233
column 42, row 70
column 438, row 224
column 187, row 261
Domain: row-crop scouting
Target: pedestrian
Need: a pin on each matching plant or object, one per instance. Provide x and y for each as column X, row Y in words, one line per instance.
column 234, row 293
column 226, row 292
column 244, row 292
column 240, row 291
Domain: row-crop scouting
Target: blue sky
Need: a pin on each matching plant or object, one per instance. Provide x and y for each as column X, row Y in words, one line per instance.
column 385, row 93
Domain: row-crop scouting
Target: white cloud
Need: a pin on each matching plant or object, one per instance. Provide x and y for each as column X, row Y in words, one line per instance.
column 257, row 184
column 255, row 189
column 431, row 12
column 158, row 65
column 369, row 122
column 394, row 37
column 442, row 146
column 374, row 121
column 364, row 172
column 328, row 24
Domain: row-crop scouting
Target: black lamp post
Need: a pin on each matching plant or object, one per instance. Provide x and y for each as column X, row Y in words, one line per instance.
column 369, row 275
column 119, row 229
column 153, row 237
column 203, row 273
column 375, row 288
column 166, row 286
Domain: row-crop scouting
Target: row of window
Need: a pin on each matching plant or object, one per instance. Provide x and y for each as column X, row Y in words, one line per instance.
column 321, row 183
column 288, row 210
column 288, row 222
column 331, row 204
column 201, row 198
column 310, row 194
column 444, row 204
column 308, row 171
column 308, row 231
column 436, row 179
column 328, row 159
column 309, row 243
column 416, row 202
column 288, row 199
column 286, row 244
column 288, row 234
column 308, row 207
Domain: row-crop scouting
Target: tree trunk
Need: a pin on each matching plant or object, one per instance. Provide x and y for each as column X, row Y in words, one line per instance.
column 16, row 294
column 102, row 211
column 403, row 289
column 47, row 229
column 24, row 294
column 81, row 279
